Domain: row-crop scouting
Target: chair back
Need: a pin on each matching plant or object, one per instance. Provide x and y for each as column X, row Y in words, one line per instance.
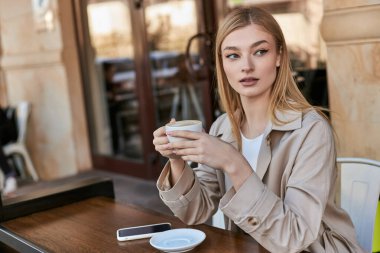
column 23, row 111
column 360, row 190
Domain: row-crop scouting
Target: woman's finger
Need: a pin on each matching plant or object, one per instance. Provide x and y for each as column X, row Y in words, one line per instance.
column 160, row 141
column 185, row 134
column 191, row 158
column 163, row 147
column 183, row 144
column 186, row 151
column 159, row 132
column 166, row 153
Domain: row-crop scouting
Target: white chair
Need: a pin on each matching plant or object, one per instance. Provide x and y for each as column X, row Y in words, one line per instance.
column 19, row 147
column 360, row 190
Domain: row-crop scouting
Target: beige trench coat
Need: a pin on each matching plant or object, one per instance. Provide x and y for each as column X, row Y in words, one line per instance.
column 288, row 204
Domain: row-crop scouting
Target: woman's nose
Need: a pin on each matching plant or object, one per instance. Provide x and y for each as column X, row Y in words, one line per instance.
column 247, row 66
column 246, row 69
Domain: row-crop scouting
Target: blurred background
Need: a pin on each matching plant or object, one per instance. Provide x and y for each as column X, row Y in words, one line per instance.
column 101, row 75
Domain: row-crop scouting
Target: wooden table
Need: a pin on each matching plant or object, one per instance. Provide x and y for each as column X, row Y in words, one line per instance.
column 90, row 226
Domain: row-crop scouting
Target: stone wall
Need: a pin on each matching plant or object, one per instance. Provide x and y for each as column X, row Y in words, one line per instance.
column 352, row 34
column 41, row 66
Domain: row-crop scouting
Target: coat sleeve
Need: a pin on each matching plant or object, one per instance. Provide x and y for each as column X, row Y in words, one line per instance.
column 290, row 223
column 195, row 197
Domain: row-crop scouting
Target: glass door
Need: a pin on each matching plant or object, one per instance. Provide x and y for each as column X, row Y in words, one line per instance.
column 178, row 71
column 111, row 36
column 139, row 71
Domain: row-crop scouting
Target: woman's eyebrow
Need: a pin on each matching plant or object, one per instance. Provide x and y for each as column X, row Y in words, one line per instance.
column 231, row 48
column 256, row 44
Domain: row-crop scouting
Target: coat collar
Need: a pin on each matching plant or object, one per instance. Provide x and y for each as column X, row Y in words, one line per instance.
column 289, row 120
column 292, row 120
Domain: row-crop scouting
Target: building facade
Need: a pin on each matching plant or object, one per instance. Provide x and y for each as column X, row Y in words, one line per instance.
column 42, row 60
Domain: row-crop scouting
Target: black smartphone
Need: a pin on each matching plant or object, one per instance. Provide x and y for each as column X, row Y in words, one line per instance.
column 146, row 231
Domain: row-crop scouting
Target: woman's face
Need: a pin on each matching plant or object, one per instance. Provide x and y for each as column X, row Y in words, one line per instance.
column 250, row 59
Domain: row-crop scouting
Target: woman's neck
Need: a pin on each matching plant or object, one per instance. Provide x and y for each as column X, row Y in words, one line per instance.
column 256, row 116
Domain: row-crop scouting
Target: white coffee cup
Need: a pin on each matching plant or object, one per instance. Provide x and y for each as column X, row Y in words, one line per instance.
column 188, row 125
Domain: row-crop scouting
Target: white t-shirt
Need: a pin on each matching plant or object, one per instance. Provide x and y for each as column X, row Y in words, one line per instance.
column 250, row 150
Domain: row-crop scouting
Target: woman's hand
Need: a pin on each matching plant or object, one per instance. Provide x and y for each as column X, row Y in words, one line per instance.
column 161, row 143
column 203, row 148
column 211, row 151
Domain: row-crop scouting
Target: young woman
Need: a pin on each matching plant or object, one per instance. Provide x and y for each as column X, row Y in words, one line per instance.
column 269, row 162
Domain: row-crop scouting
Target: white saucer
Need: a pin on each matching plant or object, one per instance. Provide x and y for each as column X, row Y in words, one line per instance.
column 177, row 240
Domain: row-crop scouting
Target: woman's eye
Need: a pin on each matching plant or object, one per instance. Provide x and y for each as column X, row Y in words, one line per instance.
column 232, row 56
column 261, row 52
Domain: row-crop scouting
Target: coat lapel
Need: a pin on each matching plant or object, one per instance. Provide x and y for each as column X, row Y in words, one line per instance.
column 265, row 153
column 291, row 120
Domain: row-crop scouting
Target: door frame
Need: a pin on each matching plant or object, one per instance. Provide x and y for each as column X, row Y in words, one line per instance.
column 149, row 166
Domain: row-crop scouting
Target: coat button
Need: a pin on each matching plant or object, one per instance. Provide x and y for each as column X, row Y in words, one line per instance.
column 254, row 221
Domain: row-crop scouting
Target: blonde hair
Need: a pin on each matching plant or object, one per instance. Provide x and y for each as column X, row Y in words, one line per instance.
column 285, row 94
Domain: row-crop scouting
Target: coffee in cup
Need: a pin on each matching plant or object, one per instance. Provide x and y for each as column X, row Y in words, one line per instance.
column 187, row 125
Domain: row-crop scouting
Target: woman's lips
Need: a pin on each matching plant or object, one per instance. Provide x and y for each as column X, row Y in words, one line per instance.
column 248, row 81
